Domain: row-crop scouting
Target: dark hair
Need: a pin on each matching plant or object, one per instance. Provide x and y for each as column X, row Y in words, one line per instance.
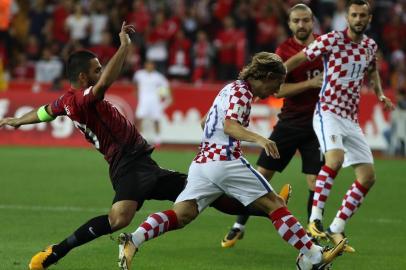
column 78, row 62
column 261, row 65
column 302, row 7
column 358, row 3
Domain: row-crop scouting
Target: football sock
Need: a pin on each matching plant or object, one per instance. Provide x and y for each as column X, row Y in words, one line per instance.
column 351, row 202
column 89, row 231
column 292, row 232
column 155, row 225
column 240, row 222
column 324, row 183
column 310, row 204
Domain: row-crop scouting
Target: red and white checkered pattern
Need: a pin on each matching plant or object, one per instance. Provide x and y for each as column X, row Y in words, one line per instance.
column 324, row 183
column 213, row 152
column 345, row 64
column 233, row 102
column 157, row 224
column 290, row 230
column 239, row 103
column 352, row 201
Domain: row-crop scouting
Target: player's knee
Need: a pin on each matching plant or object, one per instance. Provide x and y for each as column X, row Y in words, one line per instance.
column 119, row 221
column 335, row 164
column 270, row 202
column 186, row 212
column 185, row 217
column 368, row 179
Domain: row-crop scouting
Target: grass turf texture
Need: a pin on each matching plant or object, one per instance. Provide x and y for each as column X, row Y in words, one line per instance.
column 47, row 193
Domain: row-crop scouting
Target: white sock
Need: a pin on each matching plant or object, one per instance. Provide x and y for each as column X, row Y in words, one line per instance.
column 138, row 237
column 317, row 213
column 337, row 226
column 239, row 226
column 314, row 254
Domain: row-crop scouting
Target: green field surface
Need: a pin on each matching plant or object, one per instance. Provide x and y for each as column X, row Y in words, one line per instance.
column 46, row 193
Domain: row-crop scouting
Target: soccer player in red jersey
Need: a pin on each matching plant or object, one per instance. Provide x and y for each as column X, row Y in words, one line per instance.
column 134, row 175
column 294, row 130
column 347, row 56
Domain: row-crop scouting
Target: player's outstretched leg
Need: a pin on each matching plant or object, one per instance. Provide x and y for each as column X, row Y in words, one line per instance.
column 89, row 231
column 237, row 231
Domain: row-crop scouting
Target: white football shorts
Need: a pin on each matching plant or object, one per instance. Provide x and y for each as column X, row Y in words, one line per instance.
column 149, row 110
column 236, row 178
column 335, row 132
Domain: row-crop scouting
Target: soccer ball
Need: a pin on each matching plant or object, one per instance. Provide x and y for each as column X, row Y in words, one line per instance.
column 303, row 263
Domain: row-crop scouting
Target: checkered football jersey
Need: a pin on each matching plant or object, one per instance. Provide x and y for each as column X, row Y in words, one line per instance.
column 345, row 63
column 232, row 102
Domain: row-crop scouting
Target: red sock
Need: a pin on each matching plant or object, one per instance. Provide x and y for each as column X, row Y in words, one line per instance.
column 324, row 183
column 155, row 225
column 352, row 200
column 290, row 230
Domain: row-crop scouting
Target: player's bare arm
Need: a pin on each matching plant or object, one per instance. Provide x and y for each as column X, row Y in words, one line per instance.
column 292, row 89
column 295, row 61
column 237, row 131
column 115, row 64
column 376, row 83
column 41, row 114
column 203, row 121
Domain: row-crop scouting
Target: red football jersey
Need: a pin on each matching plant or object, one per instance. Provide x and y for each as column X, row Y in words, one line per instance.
column 299, row 109
column 101, row 123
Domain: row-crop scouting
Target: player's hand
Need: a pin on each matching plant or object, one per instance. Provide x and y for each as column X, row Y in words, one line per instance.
column 9, row 121
column 124, row 34
column 269, row 147
column 317, row 81
column 387, row 103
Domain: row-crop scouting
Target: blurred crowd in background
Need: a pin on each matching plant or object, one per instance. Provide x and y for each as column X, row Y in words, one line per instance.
column 190, row 40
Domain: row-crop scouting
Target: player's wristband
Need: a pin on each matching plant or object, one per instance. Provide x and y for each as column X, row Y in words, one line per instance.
column 43, row 115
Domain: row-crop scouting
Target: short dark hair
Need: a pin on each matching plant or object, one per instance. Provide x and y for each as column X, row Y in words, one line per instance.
column 78, row 62
column 302, row 7
column 358, row 3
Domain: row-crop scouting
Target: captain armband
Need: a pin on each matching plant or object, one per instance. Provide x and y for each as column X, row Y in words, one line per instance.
column 43, row 115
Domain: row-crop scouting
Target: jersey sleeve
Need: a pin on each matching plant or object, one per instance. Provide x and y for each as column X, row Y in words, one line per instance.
column 58, row 106
column 322, row 45
column 373, row 63
column 240, row 99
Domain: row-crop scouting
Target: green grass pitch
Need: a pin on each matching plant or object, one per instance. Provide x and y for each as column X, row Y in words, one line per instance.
column 45, row 194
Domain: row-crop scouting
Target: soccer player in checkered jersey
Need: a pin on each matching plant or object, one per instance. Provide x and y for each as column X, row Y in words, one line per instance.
column 347, row 56
column 219, row 168
column 294, row 130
